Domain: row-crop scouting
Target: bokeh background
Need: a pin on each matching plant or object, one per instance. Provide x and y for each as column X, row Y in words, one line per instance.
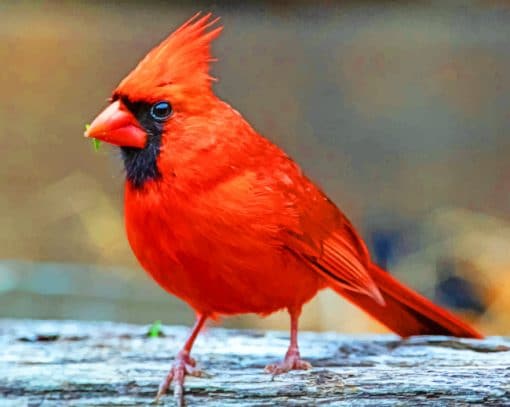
column 400, row 112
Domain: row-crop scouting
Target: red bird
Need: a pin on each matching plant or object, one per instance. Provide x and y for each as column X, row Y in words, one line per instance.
column 223, row 219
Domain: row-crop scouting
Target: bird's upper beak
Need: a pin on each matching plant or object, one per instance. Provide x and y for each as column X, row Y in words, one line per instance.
column 116, row 125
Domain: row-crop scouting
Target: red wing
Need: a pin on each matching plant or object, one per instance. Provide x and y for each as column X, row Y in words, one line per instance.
column 325, row 239
column 321, row 236
column 342, row 259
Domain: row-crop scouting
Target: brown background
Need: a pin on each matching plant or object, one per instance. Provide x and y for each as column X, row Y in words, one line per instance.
column 400, row 112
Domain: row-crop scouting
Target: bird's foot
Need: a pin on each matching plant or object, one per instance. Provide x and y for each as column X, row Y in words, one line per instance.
column 292, row 361
column 183, row 366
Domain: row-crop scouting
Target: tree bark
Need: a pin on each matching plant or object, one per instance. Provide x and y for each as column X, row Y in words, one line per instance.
column 59, row 363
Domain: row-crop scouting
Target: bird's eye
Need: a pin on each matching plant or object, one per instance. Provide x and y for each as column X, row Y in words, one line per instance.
column 161, row 111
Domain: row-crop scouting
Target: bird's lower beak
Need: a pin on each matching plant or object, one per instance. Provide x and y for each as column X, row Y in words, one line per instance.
column 115, row 125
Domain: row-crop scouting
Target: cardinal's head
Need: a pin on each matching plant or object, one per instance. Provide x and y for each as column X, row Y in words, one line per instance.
column 168, row 90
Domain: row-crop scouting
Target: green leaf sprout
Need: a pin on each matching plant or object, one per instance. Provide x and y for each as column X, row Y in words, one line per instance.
column 155, row 330
column 95, row 142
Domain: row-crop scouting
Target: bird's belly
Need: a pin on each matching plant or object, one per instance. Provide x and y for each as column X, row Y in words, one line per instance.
column 217, row 264
column 226, row 288
column 218, row 278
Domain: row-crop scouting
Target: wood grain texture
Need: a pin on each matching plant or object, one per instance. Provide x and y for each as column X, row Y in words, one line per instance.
column 64, row 363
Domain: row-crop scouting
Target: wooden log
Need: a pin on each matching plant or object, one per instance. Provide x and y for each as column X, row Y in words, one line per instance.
column 60, row 363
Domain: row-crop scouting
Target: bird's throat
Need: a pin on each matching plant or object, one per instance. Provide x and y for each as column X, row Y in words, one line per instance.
column 141, row 163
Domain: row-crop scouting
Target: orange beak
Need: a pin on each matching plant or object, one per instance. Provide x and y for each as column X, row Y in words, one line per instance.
column 116, row 125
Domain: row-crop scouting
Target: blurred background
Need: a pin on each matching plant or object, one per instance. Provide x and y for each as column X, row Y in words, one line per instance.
column 400, row 112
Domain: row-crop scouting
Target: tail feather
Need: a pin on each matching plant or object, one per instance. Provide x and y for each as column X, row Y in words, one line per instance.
column 406, row 312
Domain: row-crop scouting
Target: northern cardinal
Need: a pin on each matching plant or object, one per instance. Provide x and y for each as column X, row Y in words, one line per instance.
column 222, row 218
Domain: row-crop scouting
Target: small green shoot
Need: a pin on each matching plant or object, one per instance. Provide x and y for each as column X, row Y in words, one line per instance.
column 155, row 330
column 95, row 142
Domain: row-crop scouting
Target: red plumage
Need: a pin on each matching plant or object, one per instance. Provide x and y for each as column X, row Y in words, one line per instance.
column 224, row 219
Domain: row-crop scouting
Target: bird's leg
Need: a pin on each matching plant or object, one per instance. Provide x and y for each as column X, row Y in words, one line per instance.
column 292, row 360
column 184, row 365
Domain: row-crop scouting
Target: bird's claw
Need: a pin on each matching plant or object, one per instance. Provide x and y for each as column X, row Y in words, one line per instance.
column 292, row 361
column 183, row 366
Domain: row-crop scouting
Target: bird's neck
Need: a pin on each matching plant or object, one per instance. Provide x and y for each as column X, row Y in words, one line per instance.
column 141, row 164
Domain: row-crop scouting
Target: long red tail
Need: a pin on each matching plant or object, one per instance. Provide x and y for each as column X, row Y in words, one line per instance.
column 406, row 312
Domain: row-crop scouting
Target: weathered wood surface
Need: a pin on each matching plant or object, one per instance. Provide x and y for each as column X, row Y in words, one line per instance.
column 74, row 363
